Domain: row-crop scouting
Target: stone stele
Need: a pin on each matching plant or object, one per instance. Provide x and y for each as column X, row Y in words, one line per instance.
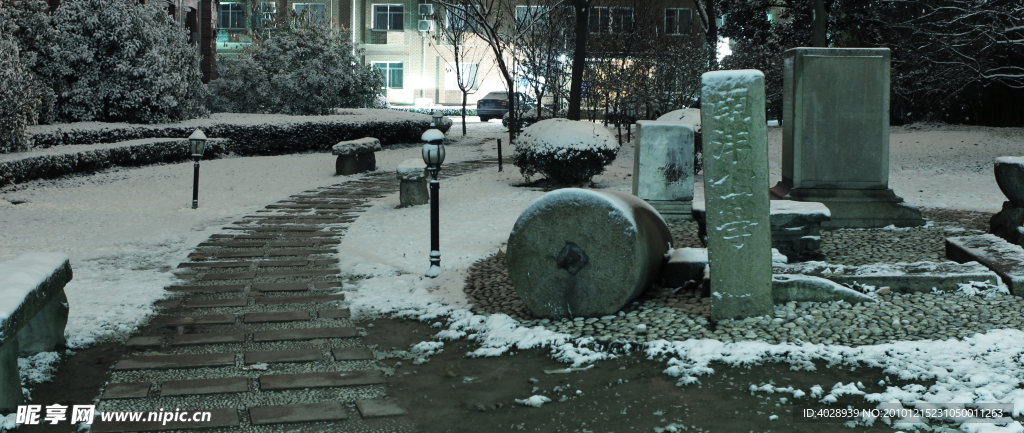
column 736, row 193
column 663, row 167
column 583, row 253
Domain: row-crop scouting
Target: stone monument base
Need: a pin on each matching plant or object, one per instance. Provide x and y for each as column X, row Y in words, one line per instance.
column 860, row 208
column 673, row 210
column 1008, row 224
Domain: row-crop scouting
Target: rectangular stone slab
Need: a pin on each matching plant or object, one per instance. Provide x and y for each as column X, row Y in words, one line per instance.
column 273, row 382
column 1002, row 257
column 157, row 362
column 288, row 274
column 126, row 390
column 352, row 354
column 272, row 356
column 276, row 316
column 735, row 138
column 378, row 407
column 218, row 418
column 304, row 412
column 280, row 287
column 233, row 244
column 328, row 285
column 274, row 253
column 204, row 386
column 217, row 303
column 240, row 254
column 208, row 338
column 145, row 342
column 281, row 263
column 27, row 284
column 240, row 264
column 342, row 313
column 209, row 319
column 230, row 276
column 304, row 334
column 299, row 299
column 219, row 288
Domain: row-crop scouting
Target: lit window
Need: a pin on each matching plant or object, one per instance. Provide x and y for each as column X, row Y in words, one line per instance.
column 677, row 21
column 392, row 73
column 388, row 17
column 466, row 70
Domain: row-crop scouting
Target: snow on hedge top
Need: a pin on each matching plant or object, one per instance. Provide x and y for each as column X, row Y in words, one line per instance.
column 1018, row 160
column 555, row 135
column 584, row 197
column 19, row 277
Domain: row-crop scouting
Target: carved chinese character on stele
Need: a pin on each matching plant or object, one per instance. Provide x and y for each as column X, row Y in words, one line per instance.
column 736, row 193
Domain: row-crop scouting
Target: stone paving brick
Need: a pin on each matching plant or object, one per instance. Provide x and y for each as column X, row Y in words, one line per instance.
column 310, row 234
column 271, row 382
column 304, row 412
column 184, row 276
column 281, row 263
column 219, row 288
column 292, row 244
column 304, row 334
column 299, row 299
column 272, row 356
column 239, row 264
column 217, row 303
column 274, row 253
column 126, row 390
column 314, row 273
column 208, row 338
column 352, row 354
column 280, row 287
column 209, row 319
column 328, row 285
column 259, row 236
column 233, row 244
column 172, row 303
column 144, row 342
column 218, row 418
column 324, row 262
column 230, row 276
column 334, row 314
column 276, row 316
column 289, row 206
column 378, row 407
column 220, row 235
column 204, row 386
column 330, row 241
column 157, row 362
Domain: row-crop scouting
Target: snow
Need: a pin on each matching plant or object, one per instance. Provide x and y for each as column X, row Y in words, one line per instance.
column 355, row 147
column 535, row 401
column 742, row 77
column 412, row 169
column 1017, row 160
column 799, row 207
column 584, row 198
column 552, row 135
column 23, row 275
column 694, row 255
column 126, row 229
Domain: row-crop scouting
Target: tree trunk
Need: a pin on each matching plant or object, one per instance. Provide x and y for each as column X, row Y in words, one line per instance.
column 712, row 36
column 820, row 25
column 464, row 96
column 579, row 58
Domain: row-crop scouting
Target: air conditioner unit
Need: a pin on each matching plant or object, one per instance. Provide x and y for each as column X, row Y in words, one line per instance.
column 426, row 9
column 426, row 25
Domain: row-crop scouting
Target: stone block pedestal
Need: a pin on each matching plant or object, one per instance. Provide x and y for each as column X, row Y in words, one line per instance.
column 413, row 188
column 355, row 156
column 663, row 167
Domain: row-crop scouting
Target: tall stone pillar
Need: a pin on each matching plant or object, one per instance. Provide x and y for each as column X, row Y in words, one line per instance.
column 835, row 136
column 736, row 193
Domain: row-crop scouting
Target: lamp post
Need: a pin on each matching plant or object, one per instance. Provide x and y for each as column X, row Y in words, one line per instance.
column 433, row 156
column 197, row 143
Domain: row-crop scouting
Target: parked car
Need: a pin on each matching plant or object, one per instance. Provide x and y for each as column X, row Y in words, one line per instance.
column 495, row 104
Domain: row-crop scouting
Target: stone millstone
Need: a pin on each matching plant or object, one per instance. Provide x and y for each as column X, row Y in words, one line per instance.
column 583, row 253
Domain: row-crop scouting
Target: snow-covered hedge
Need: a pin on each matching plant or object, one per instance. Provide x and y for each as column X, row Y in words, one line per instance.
column 117, row 60
column 297, row 70
column 56, row 164
column 252, row 134
column 565, row 151
column 18, row 98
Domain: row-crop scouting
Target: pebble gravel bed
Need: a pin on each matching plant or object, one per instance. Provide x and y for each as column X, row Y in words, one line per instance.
column 672, row 314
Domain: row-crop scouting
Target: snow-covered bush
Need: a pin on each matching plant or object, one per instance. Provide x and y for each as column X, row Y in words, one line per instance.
column 18, row 97
column 298, row 69
column 565, row 151
column 119, row 61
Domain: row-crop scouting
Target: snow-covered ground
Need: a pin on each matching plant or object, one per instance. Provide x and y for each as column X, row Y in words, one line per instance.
column 126, row 230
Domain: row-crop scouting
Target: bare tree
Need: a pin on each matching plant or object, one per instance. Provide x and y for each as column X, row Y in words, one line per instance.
column 457, row 32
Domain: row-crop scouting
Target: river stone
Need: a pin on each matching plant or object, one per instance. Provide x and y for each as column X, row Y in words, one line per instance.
column 583, row 253
column 736, row 185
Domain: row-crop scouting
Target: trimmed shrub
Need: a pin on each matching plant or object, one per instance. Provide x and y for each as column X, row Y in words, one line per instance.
column 565, row 151
column 118, row 61
column 18, row 97
column 305, row 70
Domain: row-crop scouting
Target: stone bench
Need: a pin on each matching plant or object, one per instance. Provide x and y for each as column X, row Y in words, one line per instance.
column 33, row 314
column 795, row 227
column 355, row 156
column 1002, row 257
column 413, row 188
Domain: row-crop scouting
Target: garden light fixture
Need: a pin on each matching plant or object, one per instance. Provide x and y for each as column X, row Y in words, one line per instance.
column 197, row 144
column 433, row 156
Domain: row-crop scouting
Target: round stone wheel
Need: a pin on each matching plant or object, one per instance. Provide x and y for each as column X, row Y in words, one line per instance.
column 583, row 253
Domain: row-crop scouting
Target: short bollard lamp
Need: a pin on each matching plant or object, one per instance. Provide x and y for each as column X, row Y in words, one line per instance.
column 197, row 143
column 433, row 156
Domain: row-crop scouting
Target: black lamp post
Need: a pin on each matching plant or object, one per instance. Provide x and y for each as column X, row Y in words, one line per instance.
column 197, row 143
column 433, row 156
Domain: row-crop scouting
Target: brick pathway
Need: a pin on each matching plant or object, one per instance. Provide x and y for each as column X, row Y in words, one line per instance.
column 258, row 338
